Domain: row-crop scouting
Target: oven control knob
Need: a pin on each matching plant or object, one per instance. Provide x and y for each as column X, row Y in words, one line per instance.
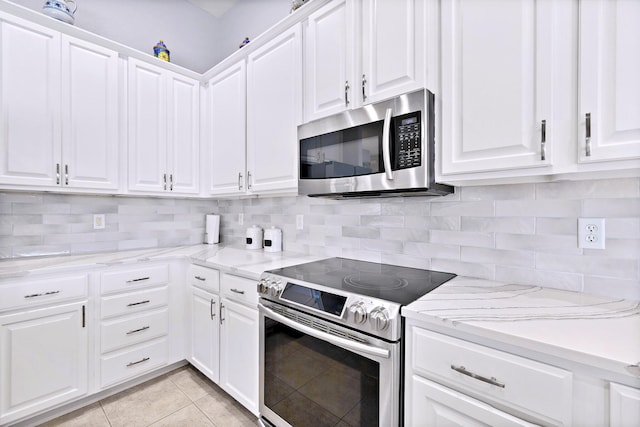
column 262, row 286
column 379, row 318
column 359, row 312
column 274, row 289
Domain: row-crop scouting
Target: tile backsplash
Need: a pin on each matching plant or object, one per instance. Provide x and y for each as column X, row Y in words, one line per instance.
column 525, row 233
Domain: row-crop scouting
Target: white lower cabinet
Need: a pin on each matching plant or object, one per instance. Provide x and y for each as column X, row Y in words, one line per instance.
column 469, row 384
column 204, row 351
column 624, row 406
column 134, row 325
column 44, row 346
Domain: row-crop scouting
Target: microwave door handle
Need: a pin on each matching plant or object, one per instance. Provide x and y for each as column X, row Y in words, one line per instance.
column 386, row 141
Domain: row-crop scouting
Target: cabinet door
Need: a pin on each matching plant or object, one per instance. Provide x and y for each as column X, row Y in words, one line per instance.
column 147, row 128
column 43, row 361
column 624, row 406
column 393, row 55
column 496, row 84
column 274, row 110
column 329, row 86
column 239, row 353
column 90, row 145
column 227, row 96
column 205, row 333
column 609, row 84
column 431, row 405
column 29, row 104
column 183, row 122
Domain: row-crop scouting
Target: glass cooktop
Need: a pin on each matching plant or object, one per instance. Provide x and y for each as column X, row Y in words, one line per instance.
column 401, row 285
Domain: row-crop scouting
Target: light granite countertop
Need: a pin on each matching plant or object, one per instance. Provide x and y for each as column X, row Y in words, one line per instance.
column 236, row 260
column 587, row 329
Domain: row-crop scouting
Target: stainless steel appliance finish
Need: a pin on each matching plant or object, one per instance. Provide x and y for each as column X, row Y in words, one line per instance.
column 380, row 150
column 331, row 341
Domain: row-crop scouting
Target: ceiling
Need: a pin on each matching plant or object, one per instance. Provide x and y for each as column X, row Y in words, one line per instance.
column 216, row 8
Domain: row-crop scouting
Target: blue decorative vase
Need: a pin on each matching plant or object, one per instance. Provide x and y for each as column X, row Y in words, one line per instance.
column 160, row 51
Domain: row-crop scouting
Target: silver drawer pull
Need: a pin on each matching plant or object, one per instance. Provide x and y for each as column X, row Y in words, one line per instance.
column 237, row 291
column 138, row 303
column 42, row 294
column 464, row 371
column 200, row 278
column 144, row 328
column 141, row 279
column 144, row 359
column 634, row 369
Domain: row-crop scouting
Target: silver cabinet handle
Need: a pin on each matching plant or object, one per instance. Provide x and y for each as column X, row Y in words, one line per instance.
column 464, row 371
column 221, row 318
column 202, row 279
column 141, row 279
column 386, row 147
column 634, row 369
column 58, row 173
column 364, row 84
column 42, row 294
column 144, row 359
column 249, row 180
column 144, row 328
column 164, row 181
column 587, row 135
column 237, row 291
column 543, row 141
column 212, row 309
column 346, row 93
column 239, row 180
column 171, row 182
column 131, row 304
column 66, row 174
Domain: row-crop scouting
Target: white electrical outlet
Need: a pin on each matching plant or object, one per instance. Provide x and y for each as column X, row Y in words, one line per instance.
column 240, row 218
column 591, row 233
column 299, row 222
column 98, row 222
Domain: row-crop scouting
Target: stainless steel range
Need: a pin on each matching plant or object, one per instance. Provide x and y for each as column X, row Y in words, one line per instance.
column 331, row 341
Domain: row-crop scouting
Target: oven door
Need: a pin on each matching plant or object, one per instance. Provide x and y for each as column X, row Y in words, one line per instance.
column 314, row 372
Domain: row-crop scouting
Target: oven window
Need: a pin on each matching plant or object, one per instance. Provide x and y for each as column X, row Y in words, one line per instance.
column 309, row 382
column 349, row 152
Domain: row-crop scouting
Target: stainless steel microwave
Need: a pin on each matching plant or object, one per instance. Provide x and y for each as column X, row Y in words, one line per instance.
column 379, row 150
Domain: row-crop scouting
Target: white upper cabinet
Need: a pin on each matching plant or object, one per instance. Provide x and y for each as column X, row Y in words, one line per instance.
column 227, row 116
column 497, row 92
column 59, row 122
column 328, row 65
column 609, row 82
column 393, row 52
column 274, row 111
column 358, row 52
column 163, row 129
column 90, row 126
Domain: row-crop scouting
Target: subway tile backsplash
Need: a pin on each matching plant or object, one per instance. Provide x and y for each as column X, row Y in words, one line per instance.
column 524, row 233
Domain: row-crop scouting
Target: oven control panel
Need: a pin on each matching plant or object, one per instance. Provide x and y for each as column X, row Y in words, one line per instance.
column 366, row 314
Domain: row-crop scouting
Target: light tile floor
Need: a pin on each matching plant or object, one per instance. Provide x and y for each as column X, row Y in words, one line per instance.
column 183, row 397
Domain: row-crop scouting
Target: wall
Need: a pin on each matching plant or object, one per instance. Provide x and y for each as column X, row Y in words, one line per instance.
column 513, row 233
column 196, row 39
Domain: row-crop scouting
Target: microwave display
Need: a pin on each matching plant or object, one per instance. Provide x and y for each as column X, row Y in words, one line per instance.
column 408, row 141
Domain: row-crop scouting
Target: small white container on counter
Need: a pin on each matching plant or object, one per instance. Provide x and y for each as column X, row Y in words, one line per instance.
column 254, row 237
column 273, row 240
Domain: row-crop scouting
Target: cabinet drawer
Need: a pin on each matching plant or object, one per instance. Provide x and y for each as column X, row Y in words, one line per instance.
column 240, row 289
column 203, row 277
column 131, row 330
column 133, row 302
column 134, row 278
column 121, row 366
column 43, row 291
column 522, row 384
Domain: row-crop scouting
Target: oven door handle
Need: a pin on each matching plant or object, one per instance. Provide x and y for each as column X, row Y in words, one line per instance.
column 332, row 339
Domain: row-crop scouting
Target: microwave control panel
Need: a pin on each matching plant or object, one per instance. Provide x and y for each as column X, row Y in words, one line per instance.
column 408, row 141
